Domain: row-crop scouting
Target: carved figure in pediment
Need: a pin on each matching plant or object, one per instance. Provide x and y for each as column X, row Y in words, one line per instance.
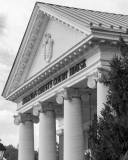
column 48, row 47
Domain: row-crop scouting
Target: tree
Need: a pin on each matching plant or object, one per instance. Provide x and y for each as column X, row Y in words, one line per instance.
column 36, row 155
column 11, row 153
column 109, row 133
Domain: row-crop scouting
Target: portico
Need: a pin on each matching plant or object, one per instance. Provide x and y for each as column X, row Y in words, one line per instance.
column 70, row 105
column 58, row 75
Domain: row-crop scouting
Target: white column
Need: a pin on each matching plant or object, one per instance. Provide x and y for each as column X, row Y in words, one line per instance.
column 96, row 80
column 102, row 92
column 26, row 136
column 26, row 141
column 47, row 136
column 73, row 126
column 47, row 132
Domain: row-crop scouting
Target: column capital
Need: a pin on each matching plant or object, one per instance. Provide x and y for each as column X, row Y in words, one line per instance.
column 22, row 117
column 99, row 75
column 42, row 107
column 46, row 106
column 64, row 93
column 69, row 93
column 36, row 110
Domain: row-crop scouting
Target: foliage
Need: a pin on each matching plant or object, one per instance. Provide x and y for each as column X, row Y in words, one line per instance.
column 126, row 156
column 36, row 155
column 11, row 153
column 109, row 133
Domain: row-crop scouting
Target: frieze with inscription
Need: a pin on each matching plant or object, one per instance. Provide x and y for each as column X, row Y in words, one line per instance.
column 73, row 70
column 77, row 67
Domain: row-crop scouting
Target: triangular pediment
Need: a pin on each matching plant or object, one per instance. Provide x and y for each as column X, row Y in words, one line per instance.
column 62, row 37
column 30, row 57
column 67, row 26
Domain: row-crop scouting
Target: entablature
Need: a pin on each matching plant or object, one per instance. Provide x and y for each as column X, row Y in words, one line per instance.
column 61, row 64
column 65, row 61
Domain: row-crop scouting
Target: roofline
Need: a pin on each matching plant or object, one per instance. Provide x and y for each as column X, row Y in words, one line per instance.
column 80, row 8
column 18, row 50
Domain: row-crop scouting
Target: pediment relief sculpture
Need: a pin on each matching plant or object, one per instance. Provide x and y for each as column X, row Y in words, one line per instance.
column 48, row 47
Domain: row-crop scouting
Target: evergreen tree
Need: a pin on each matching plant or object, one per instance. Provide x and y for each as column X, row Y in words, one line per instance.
column 109, row 133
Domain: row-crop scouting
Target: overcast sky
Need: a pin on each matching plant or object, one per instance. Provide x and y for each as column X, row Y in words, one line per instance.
column 14, row 16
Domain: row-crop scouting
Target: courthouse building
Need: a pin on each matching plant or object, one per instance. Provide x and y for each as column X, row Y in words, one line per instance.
column 57, row 75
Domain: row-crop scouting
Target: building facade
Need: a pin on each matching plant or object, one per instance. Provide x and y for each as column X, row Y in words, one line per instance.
column 57, row 75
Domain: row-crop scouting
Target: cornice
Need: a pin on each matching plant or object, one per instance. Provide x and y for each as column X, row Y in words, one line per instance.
column 20, row 51
column 34, row 48
column 109, row 34
column 27, row 50
column 54, row 67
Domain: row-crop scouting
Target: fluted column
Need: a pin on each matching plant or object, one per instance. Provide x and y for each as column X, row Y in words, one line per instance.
column 47, row 131
column 96, row 80
column 26, row 135
column 73, row 124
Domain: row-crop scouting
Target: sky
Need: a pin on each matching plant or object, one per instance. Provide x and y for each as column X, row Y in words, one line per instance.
column 14, row 17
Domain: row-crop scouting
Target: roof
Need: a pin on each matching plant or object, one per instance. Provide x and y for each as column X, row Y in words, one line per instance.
column 91, row 17
column 83, row 17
